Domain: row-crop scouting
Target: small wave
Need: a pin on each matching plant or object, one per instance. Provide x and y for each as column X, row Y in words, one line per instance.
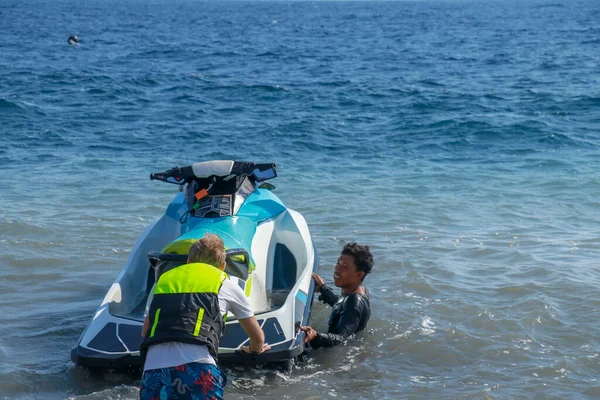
column 591, row 101
column 9, row 105
column 519, row 290
column 105, row 147
column 144, row 81
column 96, row 91
column 268, row 88
column 334, row 83
column 267, row 54
column 177, row 88
column 550, row 5
column 561, row 140
column 122, row 392
column 187, row 98
column 224, row 54
column 431, row 82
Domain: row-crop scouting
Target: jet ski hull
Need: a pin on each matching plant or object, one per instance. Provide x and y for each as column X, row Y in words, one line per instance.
column 271, row 256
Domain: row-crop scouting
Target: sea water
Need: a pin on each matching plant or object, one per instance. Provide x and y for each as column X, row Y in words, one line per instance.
column 458, row 139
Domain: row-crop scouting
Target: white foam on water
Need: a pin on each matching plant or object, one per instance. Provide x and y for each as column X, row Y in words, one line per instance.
column 427, row 326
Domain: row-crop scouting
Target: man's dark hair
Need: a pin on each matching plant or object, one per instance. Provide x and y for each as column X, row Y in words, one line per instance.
column 363, row 259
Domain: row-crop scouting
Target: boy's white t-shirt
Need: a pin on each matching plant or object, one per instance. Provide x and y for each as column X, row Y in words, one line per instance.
column 171, row 354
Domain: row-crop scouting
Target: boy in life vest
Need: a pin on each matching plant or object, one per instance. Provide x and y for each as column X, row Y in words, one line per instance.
column 352, row 310
column 183, row 325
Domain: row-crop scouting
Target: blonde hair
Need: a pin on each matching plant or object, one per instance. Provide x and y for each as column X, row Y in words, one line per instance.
column 209, row 250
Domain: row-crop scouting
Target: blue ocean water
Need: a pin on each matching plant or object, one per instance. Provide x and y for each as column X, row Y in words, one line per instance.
column 459, row 139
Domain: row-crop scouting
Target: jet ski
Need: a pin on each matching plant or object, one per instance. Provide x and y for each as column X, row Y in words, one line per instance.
column 270, row 255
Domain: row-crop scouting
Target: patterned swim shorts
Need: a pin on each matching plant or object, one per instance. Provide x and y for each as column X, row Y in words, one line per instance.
column 191, row 381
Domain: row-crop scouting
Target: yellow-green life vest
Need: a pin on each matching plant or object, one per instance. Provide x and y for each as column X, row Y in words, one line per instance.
column 185, row 307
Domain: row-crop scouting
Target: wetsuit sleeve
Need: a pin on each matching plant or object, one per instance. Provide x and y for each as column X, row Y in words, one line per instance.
column 327, row 296
column 348, row 324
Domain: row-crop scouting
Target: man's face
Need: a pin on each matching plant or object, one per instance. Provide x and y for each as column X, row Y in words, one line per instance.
column 345, row 273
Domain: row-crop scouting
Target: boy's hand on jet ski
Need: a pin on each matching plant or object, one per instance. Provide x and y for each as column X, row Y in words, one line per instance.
column 310, row 333
column 247, row 350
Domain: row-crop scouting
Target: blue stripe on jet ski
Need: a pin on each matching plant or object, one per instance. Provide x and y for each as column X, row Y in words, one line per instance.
column 301, row 296
column 261, row 205
column 177, row 207
column 236, row 232
column 311, row 289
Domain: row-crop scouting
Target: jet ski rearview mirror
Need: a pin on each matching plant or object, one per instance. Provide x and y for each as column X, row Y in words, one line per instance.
column 264, row 175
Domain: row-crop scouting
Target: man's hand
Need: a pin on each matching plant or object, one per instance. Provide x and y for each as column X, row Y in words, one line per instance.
column 318, row 280
column 310, row 333
column 246, row 349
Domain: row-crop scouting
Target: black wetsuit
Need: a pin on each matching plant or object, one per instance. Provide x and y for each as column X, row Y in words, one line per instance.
column 350, row 314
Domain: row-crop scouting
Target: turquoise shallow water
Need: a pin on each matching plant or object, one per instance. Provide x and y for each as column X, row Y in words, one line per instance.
column 458, row 138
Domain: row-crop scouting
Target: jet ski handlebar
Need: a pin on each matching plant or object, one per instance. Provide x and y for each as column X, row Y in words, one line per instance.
column 181, row 175
column 174, row 175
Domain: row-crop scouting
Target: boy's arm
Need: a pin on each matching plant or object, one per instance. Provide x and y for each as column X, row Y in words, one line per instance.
column 238, row 304
column 256, row 335
column 147, row 310
column 145, row 326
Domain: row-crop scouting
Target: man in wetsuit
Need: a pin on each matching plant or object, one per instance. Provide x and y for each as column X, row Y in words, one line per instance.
column 351, row 310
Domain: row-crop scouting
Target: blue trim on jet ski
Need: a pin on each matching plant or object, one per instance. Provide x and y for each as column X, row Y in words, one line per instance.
column 311, row 288
column 301, row 296
column 261, row 205
column 177, row 207
column 236, row 232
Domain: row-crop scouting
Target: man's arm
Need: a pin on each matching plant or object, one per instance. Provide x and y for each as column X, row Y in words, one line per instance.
column 332, row 339
column 327, row 295
column 347, row 326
